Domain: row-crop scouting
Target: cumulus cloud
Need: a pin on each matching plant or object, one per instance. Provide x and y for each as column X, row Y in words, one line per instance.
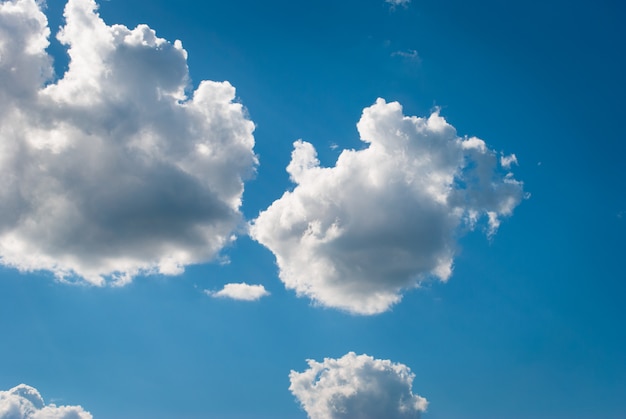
column 241, row 291
column 111, row 170
column 357, row 386
column 25, row 402
column 387, row 217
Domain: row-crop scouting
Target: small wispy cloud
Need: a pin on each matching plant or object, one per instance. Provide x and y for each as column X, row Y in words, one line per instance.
column 394, row 3
column 507, row 161
column 240, row 291
column 408, row 55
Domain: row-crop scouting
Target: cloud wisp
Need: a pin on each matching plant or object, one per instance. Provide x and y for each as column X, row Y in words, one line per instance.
column 240, row 291
column 112, row 170
column 395, row 3
column 410, row 55
column 387, row 217
column 357, row 386
column 25, row 402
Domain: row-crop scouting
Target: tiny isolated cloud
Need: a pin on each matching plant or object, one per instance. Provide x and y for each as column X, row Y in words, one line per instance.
column 398, row 2
column 357, row 386
column 25, row 402
column 115, row 168
column 385, row 218
column 240, row 291
column 409, row 54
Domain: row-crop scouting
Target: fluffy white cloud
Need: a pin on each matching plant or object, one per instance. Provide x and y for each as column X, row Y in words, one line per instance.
column 240, row 291
column 25, row 402
column 112, row 171
column 357, row 386
column 507, row 161
column 384, row 218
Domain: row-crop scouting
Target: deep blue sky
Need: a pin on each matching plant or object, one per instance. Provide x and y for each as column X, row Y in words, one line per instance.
column 529, row 325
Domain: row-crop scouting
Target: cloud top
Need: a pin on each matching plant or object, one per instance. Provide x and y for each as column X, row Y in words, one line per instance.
column 357, row 386
column 112, row 171
column 387, row 217
column 240, row 291
column 25, row 402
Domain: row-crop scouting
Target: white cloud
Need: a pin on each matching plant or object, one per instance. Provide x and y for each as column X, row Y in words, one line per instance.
column 384, row 218
column 25, row 402
column 507, row 161
column 112, row 171
column 398, row 2
column 357, row 386
column 241, row 291
column 410, row 55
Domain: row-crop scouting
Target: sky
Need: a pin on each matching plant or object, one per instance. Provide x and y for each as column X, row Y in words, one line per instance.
column 375, row 208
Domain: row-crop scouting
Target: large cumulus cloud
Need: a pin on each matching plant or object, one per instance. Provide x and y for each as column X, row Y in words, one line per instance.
column 357, row 387
column 25, row 402
column 384, row 218
column 111, row 170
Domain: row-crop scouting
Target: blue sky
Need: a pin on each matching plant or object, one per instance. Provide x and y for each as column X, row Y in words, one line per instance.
column 528, row 324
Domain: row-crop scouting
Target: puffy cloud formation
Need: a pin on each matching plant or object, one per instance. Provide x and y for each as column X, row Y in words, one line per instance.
column 240, row 291
column 384, row 218
column 111, row 170
column 25, row 402
column 357, row 386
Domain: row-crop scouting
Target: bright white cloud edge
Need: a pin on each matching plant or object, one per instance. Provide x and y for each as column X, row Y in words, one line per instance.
column 385, row 218
column 357, row 386
column 112, row 171
column 25, row 402
column 240, row 291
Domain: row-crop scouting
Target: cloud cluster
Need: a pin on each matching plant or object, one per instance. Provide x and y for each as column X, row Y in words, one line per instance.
column 241, row 291
column 25, row 402
column 384, row 218
column 357, row 386
column 111, row 170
